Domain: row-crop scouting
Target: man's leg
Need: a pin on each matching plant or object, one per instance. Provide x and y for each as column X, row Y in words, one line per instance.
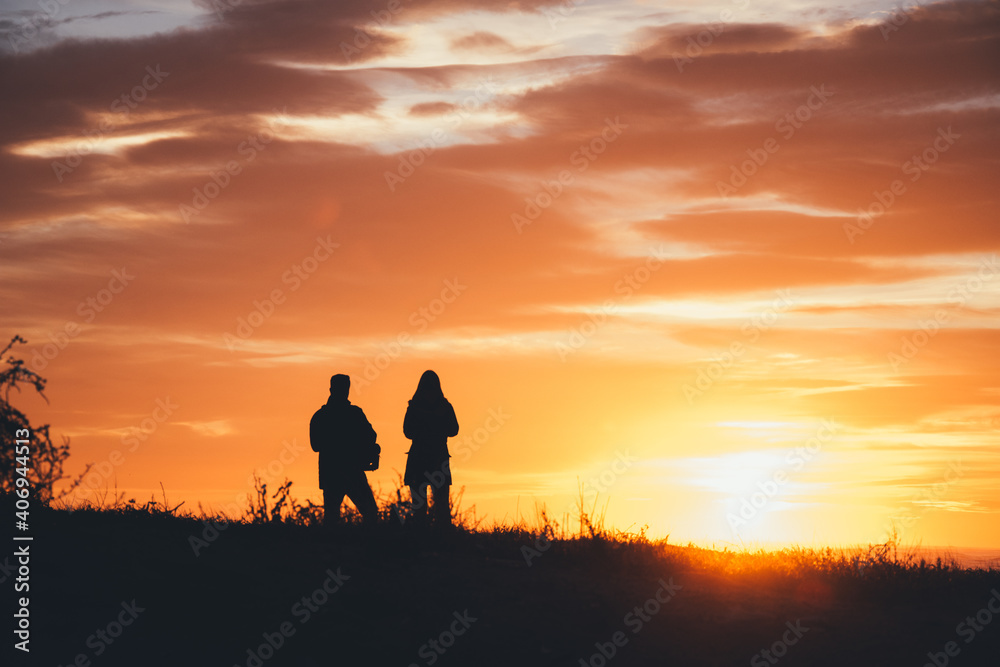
column 333, row 498
column 361, row 495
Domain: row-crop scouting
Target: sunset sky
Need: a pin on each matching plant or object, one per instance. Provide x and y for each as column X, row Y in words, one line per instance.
column 730, row 266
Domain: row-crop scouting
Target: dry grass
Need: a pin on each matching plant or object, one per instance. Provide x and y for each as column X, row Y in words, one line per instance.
column 884, row 562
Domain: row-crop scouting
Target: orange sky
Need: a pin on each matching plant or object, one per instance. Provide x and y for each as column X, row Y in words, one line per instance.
column 732, row 268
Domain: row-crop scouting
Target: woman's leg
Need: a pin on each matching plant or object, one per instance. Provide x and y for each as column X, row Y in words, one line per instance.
column 418, row 502
column 442, row 505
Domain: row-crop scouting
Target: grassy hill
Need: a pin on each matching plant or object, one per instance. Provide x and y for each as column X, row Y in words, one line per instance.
column 291, row 593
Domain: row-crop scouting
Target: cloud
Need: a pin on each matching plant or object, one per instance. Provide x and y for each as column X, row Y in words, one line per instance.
column 680, row 40
column 481, row 41
column 210, row 429
column 286, row 136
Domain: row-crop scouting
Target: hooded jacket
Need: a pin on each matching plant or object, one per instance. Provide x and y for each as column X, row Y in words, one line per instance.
column 344, row 438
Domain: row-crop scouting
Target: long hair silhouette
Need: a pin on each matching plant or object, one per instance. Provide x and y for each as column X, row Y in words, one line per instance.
column 429, row 422
column 428, row 388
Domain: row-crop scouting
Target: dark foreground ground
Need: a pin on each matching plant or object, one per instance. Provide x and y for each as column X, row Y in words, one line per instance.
column 396, row 590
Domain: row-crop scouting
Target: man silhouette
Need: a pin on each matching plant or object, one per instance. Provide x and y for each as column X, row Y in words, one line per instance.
column 345, row 440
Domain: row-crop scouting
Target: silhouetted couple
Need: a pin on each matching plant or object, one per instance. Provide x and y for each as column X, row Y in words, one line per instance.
column 347, row 447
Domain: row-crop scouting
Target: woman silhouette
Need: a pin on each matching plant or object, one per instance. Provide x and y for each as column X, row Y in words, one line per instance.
column 430, row 421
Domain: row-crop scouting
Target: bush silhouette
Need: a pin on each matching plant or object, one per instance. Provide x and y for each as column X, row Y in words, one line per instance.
column 45, row 460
